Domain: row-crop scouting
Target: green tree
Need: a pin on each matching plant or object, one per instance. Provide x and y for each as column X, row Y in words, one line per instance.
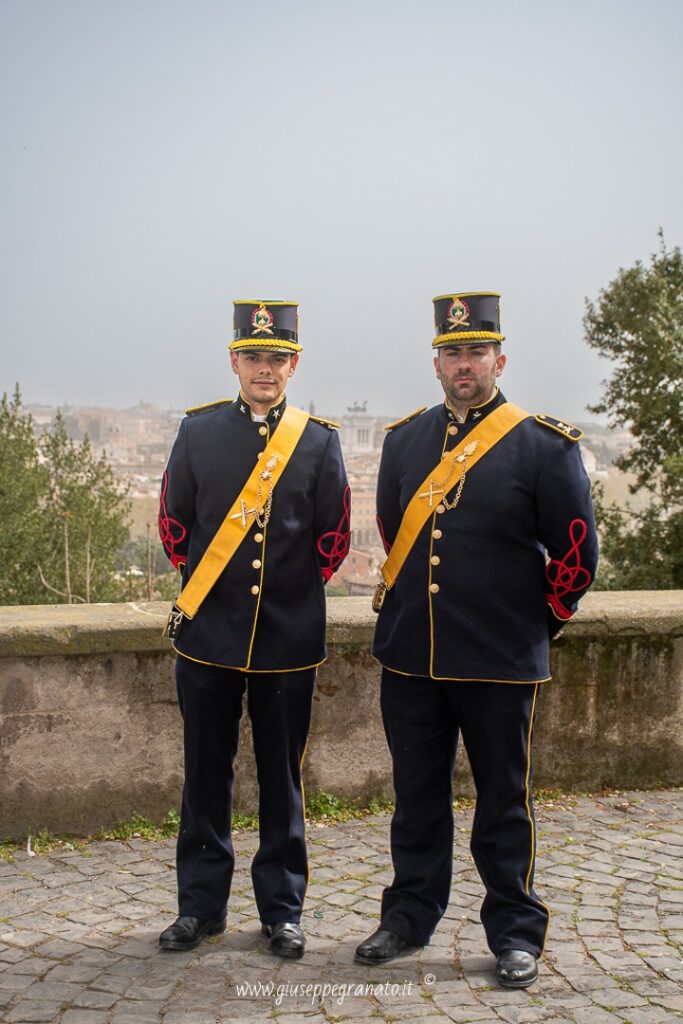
column 63, row 513
column 637, row 323
column 85, row 519
column 23, row 483
column 158, row 581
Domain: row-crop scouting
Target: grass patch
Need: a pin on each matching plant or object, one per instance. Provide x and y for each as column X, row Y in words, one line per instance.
column 142, row 828
column 329, row 808
column 245, row 822
column 8, row 849
column 42, row 842
column 138, row 827
column 545, row 796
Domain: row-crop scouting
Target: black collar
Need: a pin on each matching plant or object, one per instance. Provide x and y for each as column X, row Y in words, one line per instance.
column 477, row 412
column 274, row 413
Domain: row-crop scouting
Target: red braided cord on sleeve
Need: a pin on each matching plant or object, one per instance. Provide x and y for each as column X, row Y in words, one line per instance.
column 385, row 542
column 167, row 525
column 568, row 576
column 334, row 545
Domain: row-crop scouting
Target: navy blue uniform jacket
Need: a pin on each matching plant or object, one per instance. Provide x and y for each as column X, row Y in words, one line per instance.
column 475, row 596
column 266, row 612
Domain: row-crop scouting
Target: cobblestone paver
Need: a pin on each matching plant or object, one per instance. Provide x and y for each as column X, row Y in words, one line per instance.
column 78, row 932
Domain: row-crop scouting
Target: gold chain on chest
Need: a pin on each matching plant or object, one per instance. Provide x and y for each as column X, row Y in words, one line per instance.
column 459, row 459
column 462, row 458
column 263, row 508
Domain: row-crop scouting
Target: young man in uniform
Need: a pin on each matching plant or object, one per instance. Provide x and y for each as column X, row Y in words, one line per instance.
column 255, row 512
column 471, row 495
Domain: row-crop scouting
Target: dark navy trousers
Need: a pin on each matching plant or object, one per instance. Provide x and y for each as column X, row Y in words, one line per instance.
column 423, row 719
column 279, row 706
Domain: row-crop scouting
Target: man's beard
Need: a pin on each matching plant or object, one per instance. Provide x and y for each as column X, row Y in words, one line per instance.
column 474, row 396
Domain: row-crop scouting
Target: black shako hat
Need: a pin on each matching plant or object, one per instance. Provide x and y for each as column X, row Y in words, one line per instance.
column 465, row 318
column 265, row 324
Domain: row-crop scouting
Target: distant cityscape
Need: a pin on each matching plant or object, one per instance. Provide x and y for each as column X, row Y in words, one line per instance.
column 137, row 441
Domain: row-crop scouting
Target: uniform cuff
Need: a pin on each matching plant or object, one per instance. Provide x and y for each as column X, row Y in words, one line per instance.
column 557, row 608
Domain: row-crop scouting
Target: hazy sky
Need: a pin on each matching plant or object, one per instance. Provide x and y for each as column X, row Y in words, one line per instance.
column 161, row 158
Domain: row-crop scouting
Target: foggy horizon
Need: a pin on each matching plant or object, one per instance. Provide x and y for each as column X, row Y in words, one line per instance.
column 161, row 160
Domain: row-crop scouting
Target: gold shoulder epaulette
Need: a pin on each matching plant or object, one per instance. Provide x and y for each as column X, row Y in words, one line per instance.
column 410, row 416
column 567, row 430
column 326, row 423
column 193, row 410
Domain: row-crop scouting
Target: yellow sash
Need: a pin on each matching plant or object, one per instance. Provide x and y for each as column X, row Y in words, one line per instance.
column 233, row 529
column 442, row 479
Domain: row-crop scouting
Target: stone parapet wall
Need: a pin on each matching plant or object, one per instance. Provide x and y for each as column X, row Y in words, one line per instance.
column 90, row 731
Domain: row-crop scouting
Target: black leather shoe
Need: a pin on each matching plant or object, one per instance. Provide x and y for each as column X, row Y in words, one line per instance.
column 515, row 968
column 381, row 947
column 188, row 932
column 286, row 939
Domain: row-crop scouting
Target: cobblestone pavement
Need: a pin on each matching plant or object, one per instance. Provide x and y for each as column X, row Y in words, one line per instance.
column 78, row 932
